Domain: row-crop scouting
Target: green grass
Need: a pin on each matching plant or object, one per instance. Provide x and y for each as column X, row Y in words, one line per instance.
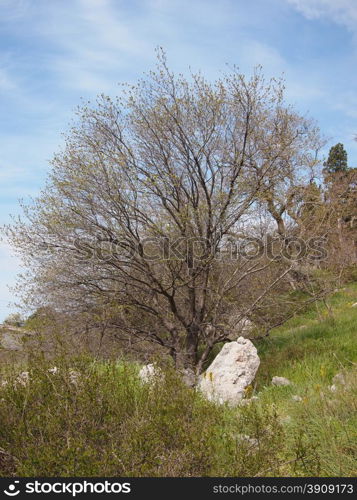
column 313, row 347
column 310, row 350
column 108, row 423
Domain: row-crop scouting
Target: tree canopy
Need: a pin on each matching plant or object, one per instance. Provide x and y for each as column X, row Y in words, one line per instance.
column 151, row 197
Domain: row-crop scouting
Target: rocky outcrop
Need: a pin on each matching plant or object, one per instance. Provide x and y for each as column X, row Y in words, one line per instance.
column 231, row 372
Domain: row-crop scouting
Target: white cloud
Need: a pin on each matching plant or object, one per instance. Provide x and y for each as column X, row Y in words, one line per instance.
column 340, row 11
column 96, row 40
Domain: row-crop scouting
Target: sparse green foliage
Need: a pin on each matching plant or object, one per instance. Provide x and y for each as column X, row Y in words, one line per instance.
column 176, row 161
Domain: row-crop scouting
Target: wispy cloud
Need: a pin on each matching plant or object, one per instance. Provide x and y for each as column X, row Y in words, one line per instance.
column 92, row 44
column 340, row 11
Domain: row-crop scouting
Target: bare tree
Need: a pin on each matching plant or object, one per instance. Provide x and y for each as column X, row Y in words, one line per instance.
column 144, row 208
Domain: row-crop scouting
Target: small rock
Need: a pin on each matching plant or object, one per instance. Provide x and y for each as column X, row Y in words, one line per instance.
column 296, row 398
column 280, row 381
column 23, row 379
column 149, row 373
column 354, row 305
column 53, row 370
column 339, row 378
column 333, row 388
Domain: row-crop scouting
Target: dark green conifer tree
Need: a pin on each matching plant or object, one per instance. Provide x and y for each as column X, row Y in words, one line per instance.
column 337, row 160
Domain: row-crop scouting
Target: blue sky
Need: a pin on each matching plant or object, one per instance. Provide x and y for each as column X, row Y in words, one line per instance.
column 55, row 52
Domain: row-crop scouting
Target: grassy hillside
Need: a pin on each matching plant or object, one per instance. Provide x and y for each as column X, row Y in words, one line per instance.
column 92, row 418
column 310, row 350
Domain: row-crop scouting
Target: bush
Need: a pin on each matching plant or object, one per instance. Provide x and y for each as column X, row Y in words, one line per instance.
column 96, row 419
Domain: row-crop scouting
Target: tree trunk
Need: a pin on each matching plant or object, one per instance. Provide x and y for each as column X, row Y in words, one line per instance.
column 186, row 356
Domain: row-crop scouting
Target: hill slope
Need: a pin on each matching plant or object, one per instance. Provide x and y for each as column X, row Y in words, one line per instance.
column 94, row 418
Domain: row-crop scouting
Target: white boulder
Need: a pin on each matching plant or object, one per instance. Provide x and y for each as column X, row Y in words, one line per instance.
column 233, row 369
